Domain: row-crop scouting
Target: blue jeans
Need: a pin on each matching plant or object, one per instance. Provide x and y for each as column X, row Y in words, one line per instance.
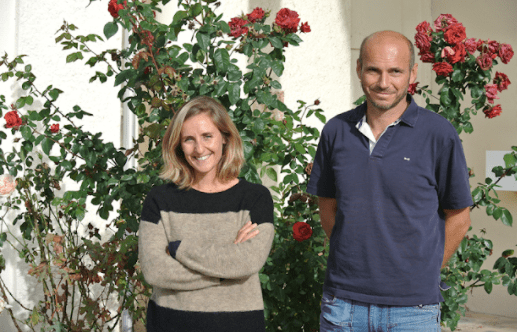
column 341, row 315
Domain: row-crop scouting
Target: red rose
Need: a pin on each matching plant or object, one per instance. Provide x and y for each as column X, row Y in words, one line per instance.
column 484, row 61
column 305, row 27
column 423, row 42
column 54, row 128
column 114, row 7
column 502, row 81
column 424, row 28
column 237, row 27
column 493, row 112
column 442, row 68
column 427, row 57
column 256, row 15
column 456, row 54
column 412, row 88
column 455, row 34
column 12, row 119
column 505, row 52
column 471, row 45
column 492, row 45
column 443, row 21
column 301, row 231
column 491, row 92
column 287, row 20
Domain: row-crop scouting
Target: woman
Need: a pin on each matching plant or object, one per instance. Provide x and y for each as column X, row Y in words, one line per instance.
column 204, row 237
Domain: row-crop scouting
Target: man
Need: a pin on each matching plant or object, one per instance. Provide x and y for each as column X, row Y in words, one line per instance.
column 394, row 199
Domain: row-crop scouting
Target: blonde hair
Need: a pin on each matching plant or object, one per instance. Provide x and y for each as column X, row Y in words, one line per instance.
column 176, row 168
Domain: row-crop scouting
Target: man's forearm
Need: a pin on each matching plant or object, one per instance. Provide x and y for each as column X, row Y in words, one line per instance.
column 457, row 223
column 328, row 208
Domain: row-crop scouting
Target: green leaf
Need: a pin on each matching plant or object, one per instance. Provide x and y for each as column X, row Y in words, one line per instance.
column 271, row 173
column 74, row 56
column 276, row 42
column 179, row 16
column 510, row 159
column 298, row 147
column 477, row 194
column 196, row 10
column 46, row 145
column 488, row 287
column 222, row 60
column 498, row 212
column 278, row 67
column 506, row 217
column 110, row 29
column 458, row 75
column 234, row 93
column 26, row 132
column 203, row 40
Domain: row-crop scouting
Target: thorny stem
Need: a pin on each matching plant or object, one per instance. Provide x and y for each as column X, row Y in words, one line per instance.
column 9, row 309
column 476, row 205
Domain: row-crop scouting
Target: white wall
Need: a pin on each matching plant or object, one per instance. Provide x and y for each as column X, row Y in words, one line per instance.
column 493, row 20
column 27, row 27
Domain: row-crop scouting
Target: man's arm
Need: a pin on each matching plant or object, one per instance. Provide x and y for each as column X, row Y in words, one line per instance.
column 457, row 223
column 328, row 208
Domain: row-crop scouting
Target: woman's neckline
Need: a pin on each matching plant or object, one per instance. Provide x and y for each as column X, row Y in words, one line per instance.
column 218, row 192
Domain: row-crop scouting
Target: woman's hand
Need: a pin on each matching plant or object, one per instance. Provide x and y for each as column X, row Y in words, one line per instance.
column 246, row 232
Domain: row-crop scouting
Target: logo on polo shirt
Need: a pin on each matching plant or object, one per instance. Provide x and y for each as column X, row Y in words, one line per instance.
column 406, row 158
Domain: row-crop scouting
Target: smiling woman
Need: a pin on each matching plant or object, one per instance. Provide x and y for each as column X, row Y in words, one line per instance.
column 205, row 236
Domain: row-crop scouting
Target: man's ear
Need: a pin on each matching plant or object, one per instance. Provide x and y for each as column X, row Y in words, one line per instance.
column 358, row 69
column 413, row 74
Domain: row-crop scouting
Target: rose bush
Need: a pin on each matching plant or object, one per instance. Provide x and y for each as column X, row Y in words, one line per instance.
column 459, row 71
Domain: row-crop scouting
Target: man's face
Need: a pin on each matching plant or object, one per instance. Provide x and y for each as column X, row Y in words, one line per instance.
column 384, row 73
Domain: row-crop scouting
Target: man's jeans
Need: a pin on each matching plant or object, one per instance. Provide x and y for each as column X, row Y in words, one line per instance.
column 345, row 315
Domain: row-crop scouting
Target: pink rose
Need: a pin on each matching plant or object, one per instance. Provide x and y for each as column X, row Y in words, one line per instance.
column 502, row 81
column 443, row 21
column 305, row 27
column 471, row 45
column 7, row 185
column 424, row 28
column 423, row 42
column 442, row 68
column 412, row 88
column 287, row 20
column 12, row 119
column 256, row 15
column 492, row 45
column 114, row 7
column 455, row 34
column 491, row 92
column 505, row 53
column 426, row 57
column 301, row 231
column 237, row 27
column 484, row 61
column 493, row 111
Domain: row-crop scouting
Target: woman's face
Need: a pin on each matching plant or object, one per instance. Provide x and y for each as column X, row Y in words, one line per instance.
column 202, row 145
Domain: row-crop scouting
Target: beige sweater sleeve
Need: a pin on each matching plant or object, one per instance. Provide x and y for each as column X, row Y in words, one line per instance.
column 230, row 261
column 160, row 269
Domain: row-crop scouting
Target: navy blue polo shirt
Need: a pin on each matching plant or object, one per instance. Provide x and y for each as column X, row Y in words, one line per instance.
column 387, row 243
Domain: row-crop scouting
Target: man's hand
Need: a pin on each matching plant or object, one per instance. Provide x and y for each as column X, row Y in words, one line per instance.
column 246, row 233
column 457, row 223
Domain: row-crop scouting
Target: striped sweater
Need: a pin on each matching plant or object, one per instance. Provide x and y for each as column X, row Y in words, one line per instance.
column 207, row 283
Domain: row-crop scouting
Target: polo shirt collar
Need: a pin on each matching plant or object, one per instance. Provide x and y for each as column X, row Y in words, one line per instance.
column 409, row 117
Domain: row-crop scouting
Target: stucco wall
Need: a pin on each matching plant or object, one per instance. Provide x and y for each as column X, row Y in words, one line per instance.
column 493, row 20
column 27, row 27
